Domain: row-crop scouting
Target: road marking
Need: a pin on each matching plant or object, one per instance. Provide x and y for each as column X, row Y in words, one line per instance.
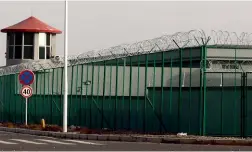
column 8, row 143
column 55, row 142
column 83, row 142
column 28, row 142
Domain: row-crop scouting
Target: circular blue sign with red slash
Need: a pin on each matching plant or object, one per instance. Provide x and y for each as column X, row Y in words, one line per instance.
column 26, row 77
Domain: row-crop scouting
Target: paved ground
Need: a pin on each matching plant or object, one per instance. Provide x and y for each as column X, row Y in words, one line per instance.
column 20, row 142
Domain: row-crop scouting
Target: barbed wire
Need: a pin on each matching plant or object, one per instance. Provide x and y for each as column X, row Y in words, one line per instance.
column 193, row 38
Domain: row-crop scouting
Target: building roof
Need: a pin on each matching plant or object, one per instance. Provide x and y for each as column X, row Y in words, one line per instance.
column 31, row 24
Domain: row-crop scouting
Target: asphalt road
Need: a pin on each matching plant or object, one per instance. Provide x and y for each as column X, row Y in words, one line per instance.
column 21, row 142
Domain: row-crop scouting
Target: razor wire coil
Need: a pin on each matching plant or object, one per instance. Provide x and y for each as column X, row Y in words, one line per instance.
column 193, row 38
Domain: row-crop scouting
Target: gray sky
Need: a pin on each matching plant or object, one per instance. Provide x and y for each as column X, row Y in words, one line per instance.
column 97, row 25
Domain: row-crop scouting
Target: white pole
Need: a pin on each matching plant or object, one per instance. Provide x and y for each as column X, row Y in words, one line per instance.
column 26, row 111
column 65, row 69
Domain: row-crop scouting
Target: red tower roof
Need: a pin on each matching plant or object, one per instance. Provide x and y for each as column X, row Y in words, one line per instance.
column 31, row 24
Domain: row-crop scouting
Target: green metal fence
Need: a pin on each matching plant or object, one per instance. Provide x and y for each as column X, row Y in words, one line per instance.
column 168, row 91
column 147, row 93
column 141, row 93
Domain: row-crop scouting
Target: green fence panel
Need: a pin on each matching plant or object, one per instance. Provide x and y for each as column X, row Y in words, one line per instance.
column 185, row 113
column 231, row 118
column 223, row 106
column 127, row 108
column 1, row 98
column 194, row 112
column 11, row 97
column 31, row 118
column 214, row 111
column 170, row 116
column 108, row 112
column 133, row 114
column 57, row 110
column 248, row 106
column 7, row 98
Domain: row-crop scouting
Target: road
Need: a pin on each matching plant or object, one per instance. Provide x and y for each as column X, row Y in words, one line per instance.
column 22, row 142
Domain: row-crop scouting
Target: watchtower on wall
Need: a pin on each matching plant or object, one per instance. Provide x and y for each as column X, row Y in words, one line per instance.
column 30, row 39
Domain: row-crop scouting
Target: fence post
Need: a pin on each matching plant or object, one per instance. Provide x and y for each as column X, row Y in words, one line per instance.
column 204, row 91
column 244, row 79
column 190, row 92
column 138, row 89
column 130, row 98
column 103, row 92
column 62, row 96
column 116, row 96
column 145, row 92
column 52, row 96
column 98, row 89
column 180, row 84
column 81, row 91
column 222, row 80
column 235, row 103
column 123, row 96
column 170, row 100
column 92, row 96
column 162, row 89
column 86, row 102
column 76, row 96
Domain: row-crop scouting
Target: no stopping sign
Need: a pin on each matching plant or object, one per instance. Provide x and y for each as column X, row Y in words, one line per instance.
column 26, row 91
column 26, row 77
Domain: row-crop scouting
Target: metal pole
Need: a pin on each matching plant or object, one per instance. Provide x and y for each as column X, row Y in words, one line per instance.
column 65, row 67
column 26, row 111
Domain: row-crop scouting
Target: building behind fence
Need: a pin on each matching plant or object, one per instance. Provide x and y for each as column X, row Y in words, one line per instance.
column 186, row 82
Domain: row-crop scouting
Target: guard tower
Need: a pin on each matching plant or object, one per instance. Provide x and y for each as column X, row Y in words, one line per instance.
column 30, row 39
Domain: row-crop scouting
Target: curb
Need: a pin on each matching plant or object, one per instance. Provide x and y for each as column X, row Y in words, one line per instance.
column 137, row 138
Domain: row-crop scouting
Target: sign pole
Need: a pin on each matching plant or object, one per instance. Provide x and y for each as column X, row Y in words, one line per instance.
column 65, row 70
column 26, row 92
column 26, row 77
column 26, row 103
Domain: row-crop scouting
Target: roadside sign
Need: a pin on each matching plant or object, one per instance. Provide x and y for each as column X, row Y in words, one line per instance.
column 26, row 91
column 26, row 77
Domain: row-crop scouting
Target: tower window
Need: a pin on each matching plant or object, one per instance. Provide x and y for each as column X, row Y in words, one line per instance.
column 10, row 39
column 18, row 52
column 20, row 45
column 41, row 52
column 44, row 45
column 11, row 52
column 48, row 52
column 48, row 39
column 18, row 38
column 28, row 52
column 28, row 38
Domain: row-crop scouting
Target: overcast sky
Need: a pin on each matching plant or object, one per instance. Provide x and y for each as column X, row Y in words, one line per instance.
column 97, row 25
